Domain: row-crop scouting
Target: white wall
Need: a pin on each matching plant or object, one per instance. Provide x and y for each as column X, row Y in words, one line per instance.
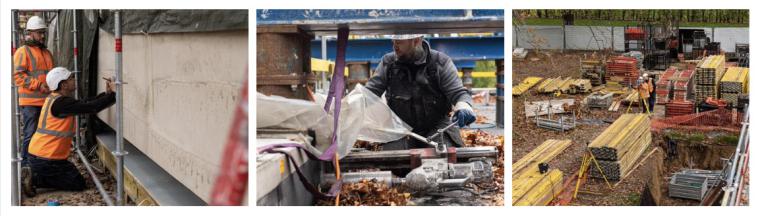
column 179, row 101
column 581, row 37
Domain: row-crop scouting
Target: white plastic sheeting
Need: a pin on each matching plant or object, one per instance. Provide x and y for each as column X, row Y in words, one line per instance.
column 363, row 116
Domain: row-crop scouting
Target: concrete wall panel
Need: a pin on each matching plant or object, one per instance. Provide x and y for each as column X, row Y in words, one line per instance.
column 179, row 101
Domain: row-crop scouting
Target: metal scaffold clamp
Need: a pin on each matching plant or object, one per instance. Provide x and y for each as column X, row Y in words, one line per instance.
column 119, row 153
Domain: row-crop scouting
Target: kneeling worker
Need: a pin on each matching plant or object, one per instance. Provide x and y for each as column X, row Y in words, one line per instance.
column 51, row 143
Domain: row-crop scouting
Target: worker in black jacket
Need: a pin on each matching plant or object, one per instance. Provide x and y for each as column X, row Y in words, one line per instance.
column 50, row 146
column 421, row 86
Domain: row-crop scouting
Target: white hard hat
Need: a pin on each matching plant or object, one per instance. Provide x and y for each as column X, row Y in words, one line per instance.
column 406, row 36
column 35, row 23
column 55, row 76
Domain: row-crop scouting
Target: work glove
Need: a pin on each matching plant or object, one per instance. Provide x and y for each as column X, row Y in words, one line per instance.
column 464, row 115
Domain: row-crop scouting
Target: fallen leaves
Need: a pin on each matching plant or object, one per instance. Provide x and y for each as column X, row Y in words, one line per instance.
column 370, row 193
column 473, row 138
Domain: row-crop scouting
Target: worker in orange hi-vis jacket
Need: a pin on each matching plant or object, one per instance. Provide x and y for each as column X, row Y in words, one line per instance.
column 31, row 64
column 52, row 141
column 644, row 90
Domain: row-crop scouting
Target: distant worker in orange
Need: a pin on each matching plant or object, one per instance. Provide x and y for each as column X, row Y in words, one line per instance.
column 644, row 89
column 51, row 143
column 31, row 64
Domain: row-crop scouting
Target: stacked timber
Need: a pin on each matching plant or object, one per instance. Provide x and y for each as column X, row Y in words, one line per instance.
column 525, row 85
column 679, row 107
column 530, row 187
column 709, row 72
column 734, row 83
column 620, row 145
column 576, row 86
column 623, row 70
column 549, row 85
column 566, row 85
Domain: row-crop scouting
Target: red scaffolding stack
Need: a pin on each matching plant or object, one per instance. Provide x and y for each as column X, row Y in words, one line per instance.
column 622, row 69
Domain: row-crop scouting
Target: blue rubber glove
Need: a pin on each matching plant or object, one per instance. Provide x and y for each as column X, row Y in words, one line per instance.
column 464, row 115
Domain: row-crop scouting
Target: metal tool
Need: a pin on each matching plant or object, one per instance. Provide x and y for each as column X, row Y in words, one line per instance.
column 440, row 146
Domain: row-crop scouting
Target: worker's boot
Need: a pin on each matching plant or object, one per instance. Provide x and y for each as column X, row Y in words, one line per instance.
column 26, row 182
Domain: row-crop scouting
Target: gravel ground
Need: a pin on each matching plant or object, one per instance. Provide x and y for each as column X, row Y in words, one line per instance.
column 88, row 197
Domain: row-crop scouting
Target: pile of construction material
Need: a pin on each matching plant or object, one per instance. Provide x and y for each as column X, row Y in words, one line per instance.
column 566, row 86
column 679, row 107
column 734, row 83
column 638, row 56
column 622, row 69
column 593, row 70
column 533, row 182
column 519, row 54
column 674, row 84
column 525, row 85
column 693, row 183
column 620, row 145
column 537, row 108
column 599, row 100
column 709, row 72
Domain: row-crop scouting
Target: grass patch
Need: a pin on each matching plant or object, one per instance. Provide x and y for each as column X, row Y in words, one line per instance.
column 727, row 139
column 633, row 199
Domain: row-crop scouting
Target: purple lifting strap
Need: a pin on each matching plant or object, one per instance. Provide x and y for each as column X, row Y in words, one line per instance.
column 337, row 87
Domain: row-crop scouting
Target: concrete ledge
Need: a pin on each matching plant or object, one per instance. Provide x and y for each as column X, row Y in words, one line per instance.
column 144, row 181
column 277, row 184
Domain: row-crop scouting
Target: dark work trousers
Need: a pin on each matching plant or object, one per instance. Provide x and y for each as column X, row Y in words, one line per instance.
column 30, row 115
column 55, row 174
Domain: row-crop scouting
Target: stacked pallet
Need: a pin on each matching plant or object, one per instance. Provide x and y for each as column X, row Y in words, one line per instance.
column 525, row 85
column 734, row 83
column 623, row 69
column 679, row 107
column 620, row 145
column 530, row 187
column 663, row 85
column 709, row 72
column 674, row 85
column 593, row 70
column 682, row 84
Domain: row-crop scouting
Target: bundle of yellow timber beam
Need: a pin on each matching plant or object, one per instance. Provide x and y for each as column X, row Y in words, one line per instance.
column 525, row 85
column 734, row 83
column 576, row 86
column 567, row 85
column 529, row 186
column 615, row 87
column 618, row 146
column 632, row 97
column 550, row 85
